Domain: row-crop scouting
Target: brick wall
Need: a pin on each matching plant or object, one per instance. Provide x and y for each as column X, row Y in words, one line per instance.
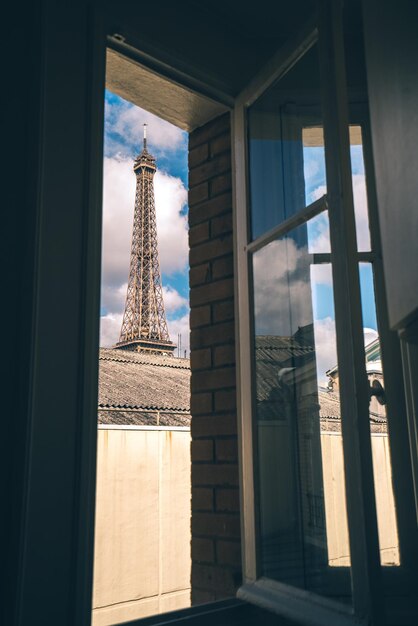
column 216, row 560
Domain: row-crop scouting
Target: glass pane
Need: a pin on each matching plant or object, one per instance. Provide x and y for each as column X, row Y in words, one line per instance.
column 382, row 468
column 302, row 509
column 313, row 163
column 361, row 212
column 318, row 234
column 286, row 146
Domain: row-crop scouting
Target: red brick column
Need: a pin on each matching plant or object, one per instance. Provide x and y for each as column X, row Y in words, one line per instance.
column 216, row 559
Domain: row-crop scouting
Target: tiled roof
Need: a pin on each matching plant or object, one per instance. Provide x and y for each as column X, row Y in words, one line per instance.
column 280, row 358
column 330, row 415
column 274, row 357
column 143, row 418
column 137, row 388
column 329, row 402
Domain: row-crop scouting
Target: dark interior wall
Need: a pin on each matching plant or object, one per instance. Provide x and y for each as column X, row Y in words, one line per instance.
column 51, row 275
column 20, row 126
column 392, row 69
column 216, row 559
column 51, row 266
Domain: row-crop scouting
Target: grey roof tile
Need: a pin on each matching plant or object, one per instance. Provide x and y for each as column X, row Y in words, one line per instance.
column 134, row 387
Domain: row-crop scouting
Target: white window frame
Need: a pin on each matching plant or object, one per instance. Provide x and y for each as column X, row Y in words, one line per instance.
column 367, row 596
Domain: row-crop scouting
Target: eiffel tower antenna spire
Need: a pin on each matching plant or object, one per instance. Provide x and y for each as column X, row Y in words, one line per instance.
column 144, row 325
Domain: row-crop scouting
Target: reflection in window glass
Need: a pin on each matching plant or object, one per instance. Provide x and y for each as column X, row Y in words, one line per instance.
column 318, row 233
column 315, row 187
column 359, row 190
column 286, row 148
column 382, row 468
column 302, row 516
column 314, row 163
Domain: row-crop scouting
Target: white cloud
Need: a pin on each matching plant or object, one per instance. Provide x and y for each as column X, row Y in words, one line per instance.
column 318, row 234
column 118, row 204
column 318, row 227
column 321, row 274
column 126, row 121
column 180, row 326
column 370, row 334
column 170, row 198
column 110, row 326
column 118, row 208
column 113, row 298
column 319, row 192
column 360, row 211
column 282, row 297
column 173, row 301
column 325, row 347
column 310, row 169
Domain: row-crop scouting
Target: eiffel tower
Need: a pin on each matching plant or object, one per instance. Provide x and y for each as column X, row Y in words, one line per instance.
column 144, row 325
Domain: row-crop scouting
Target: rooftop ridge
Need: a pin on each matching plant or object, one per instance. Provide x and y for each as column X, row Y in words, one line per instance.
column 144, row 362
column 136, row 407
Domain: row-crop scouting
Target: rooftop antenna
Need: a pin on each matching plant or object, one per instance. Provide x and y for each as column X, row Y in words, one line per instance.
column 145, row 136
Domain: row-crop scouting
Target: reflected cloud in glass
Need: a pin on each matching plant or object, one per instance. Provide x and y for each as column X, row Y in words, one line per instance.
column 302, row 508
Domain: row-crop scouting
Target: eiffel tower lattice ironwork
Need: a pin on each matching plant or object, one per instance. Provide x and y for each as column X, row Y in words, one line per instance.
column 144, row 325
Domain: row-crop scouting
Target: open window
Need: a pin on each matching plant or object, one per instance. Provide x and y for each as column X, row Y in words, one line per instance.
column 324, row 518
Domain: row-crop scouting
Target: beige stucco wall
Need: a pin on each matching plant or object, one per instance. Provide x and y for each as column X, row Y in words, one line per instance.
column 278, row 486
column 142, row 541
column 335, row 507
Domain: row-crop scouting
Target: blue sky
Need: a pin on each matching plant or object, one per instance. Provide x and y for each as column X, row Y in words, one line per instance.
column 322, row 286
column 314, row 160
column 123, row 136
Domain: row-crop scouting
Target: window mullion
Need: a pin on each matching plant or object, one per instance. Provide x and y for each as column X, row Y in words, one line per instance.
column 301, row 217
column 243, row 348
column 354, row 396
